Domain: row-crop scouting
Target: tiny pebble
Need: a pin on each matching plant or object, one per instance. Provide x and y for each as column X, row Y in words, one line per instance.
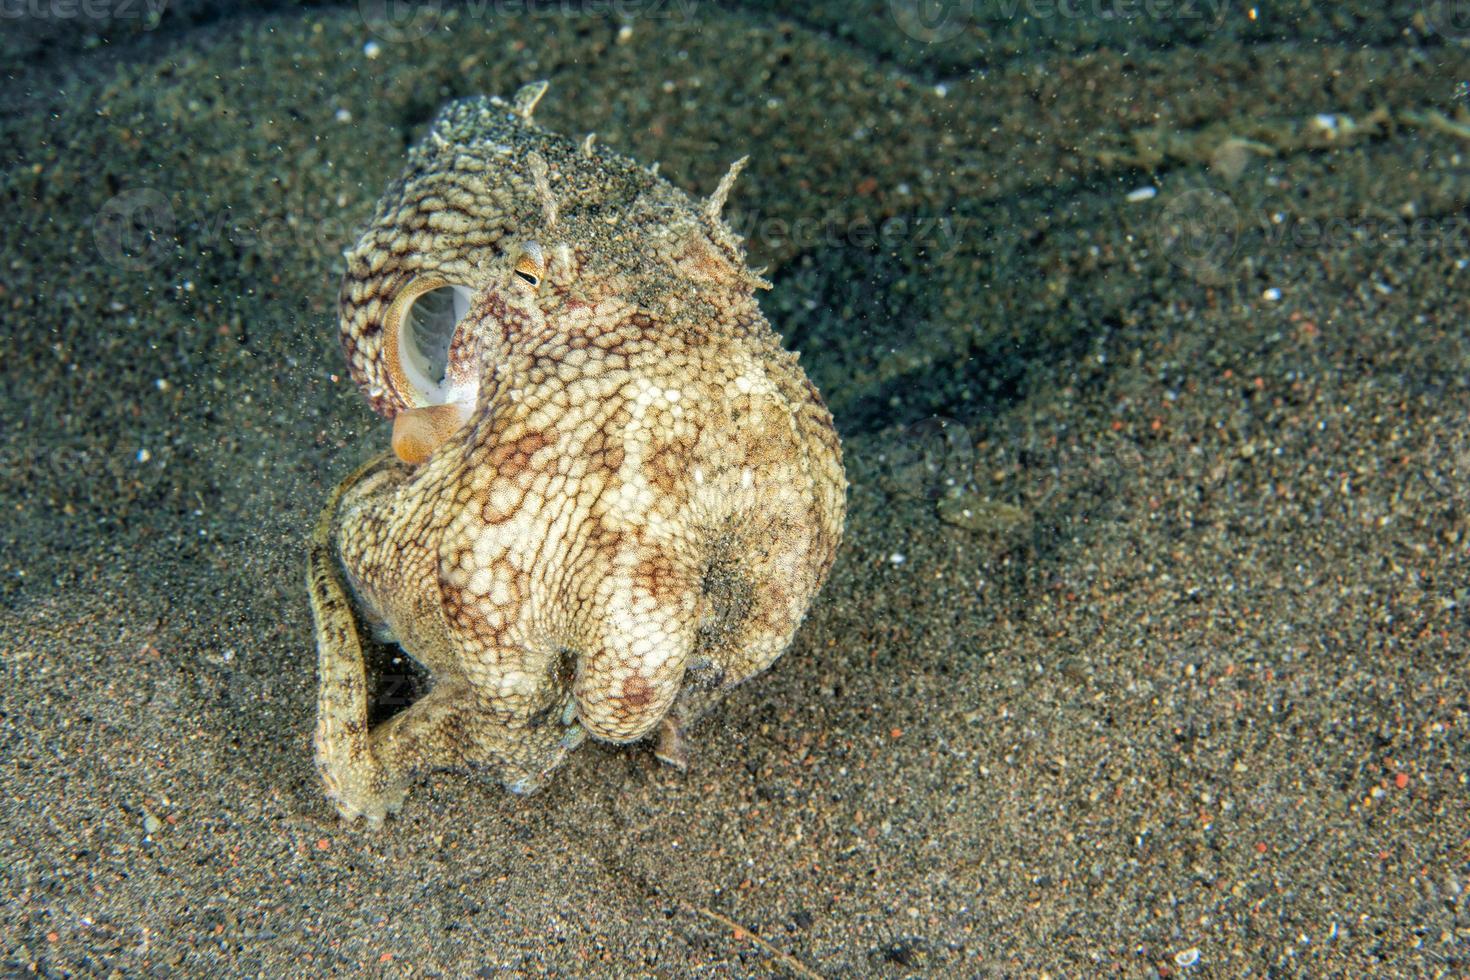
column 898, row 558
column 344, row 116
column 151, row 824
column 1271, row 295
column 372, row 49
column 144, row 455
column 1141, row 194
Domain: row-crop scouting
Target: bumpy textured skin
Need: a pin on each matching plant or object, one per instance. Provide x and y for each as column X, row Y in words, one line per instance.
column 644, row 501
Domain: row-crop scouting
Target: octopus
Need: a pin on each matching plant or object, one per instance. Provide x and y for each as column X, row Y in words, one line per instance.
column 611, row 494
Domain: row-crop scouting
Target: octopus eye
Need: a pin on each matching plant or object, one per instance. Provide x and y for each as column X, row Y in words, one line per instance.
column 531, row 266
column 420, row 328
column 418, row 334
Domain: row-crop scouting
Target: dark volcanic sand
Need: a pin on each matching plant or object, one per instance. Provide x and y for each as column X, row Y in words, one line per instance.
column 1151, row 657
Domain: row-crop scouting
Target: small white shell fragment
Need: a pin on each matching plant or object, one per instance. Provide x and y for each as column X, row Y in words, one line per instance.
column 1140, row 194
column 1332, row 125
column 1271, row 295
column 1187, row 957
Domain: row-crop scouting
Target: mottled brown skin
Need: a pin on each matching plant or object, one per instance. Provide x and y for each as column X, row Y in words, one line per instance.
column 646, row 496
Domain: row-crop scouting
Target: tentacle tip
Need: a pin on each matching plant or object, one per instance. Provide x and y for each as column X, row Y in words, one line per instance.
column 672, row 748
column 524, row 102
column 716, row 203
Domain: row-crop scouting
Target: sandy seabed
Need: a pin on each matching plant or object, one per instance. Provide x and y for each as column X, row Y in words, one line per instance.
column 1146, row 651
